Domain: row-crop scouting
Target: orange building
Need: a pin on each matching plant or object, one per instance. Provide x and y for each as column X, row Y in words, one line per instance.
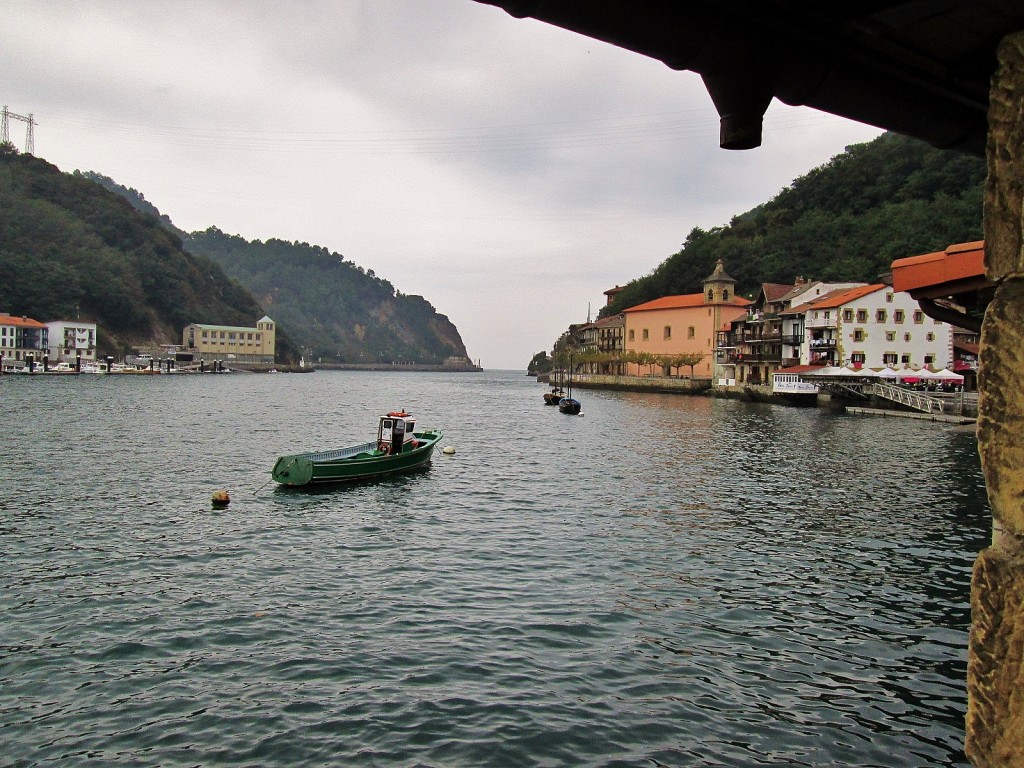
column 673, row 325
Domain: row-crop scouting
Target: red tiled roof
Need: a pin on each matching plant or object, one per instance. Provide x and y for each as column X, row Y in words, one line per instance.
column 21, row 322
column 682, row 302
column 959, row 263
column 775, row 291
column 838, row 298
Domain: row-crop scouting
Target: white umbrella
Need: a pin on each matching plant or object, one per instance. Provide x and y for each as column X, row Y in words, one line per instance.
column 828, row 370
column 861, row 372
column 948, row 375
column 888, row 373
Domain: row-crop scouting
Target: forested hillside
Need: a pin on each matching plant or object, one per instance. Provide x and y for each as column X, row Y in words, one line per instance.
column 846, row 220
column 332, row 307
column 70, row 249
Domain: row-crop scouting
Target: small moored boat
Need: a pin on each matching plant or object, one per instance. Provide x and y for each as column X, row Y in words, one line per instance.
column 568, row 403
column 398, row 448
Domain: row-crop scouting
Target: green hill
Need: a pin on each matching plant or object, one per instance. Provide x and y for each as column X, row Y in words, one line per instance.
column 73, row 250
column 847, row 220
column 82, row 246
column 336, row 309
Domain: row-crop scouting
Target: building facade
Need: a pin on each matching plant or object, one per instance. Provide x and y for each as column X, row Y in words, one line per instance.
column 71, row 340
column 687, row 324
column 21, row 336
column 604, row 337
column 875, row 326
column 229, row 342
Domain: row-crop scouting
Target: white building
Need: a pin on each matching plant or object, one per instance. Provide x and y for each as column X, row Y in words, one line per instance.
column 874, row 326
column 71, row 339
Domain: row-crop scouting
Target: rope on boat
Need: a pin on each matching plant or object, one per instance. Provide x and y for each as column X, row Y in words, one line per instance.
column 263, row 486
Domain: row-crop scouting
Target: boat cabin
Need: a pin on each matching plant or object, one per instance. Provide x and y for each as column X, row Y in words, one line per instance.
column 395, row 430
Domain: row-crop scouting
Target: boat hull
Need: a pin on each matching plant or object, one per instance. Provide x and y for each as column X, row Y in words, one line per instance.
column 356, row 463
column 569, row 405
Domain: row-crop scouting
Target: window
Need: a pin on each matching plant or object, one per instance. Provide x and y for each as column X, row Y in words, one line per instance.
column 847, row 315
column 906, row 337
column 905, row 359
column 890, row 358
column 858, row 334
column 646, row 334
column 862, row 315
column 890, row 335
column 668, row 332
column 690, row 331
column 857, row 358
column 206, row 334
column 929, row 359
column 918, row 316
column 711, row 295
column 632, row 334
column 257, row 337
column 725, row 295
column 930, row 336
column 897, row 315
column 827, row 314
column 888, row 297
column 880, row 316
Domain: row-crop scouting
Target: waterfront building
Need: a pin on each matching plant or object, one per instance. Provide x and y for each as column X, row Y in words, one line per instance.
column 951, row 285
column 229, row 342
column 70, row 340
column 874, row 326
column 674, row 325
column 604, row 337
column 770, row 336
column 21, row 336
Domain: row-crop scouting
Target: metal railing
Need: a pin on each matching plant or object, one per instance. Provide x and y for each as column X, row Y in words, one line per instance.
column 907, row 397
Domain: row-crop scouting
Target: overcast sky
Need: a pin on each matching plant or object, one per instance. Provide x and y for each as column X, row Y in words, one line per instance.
column 507, row 170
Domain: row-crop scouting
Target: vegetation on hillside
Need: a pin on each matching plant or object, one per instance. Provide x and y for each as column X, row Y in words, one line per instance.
column 70, row 249
column 137, row 200
column 334, row 309
column 847, row 220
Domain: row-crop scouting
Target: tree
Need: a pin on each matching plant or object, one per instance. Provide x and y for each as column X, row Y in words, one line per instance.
column 688, row 358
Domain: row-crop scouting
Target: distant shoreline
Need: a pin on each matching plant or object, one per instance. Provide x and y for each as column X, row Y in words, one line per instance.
column 395, row 367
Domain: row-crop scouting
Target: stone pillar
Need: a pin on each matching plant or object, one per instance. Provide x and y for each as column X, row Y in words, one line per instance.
column 995, row 671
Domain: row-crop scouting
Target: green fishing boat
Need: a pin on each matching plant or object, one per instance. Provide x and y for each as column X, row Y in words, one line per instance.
column 398, row 448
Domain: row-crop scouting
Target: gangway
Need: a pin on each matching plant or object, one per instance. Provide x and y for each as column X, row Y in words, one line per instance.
column 901, row 395
column 907, row 397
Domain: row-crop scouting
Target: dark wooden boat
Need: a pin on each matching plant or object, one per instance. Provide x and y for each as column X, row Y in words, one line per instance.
column 569, row 404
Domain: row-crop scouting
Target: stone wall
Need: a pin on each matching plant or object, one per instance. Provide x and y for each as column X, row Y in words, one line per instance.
column 995, row 673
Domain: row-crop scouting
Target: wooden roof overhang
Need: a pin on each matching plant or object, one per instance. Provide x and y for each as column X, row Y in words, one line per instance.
column 917, row 67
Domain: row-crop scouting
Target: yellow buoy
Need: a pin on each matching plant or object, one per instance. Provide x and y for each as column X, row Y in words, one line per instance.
column 220, row 499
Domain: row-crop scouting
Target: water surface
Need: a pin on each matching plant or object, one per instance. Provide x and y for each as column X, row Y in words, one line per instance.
column 665, row 581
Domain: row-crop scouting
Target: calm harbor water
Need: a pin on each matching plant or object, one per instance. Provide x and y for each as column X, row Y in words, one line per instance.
column 666, row 581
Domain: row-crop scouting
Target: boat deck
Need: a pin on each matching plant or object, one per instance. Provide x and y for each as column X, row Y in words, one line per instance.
column 342, row 453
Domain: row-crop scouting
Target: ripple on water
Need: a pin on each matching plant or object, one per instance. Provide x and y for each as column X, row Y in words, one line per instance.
column 575, row 593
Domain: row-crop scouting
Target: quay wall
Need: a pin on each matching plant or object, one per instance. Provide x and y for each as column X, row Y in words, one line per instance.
column 662, row 384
